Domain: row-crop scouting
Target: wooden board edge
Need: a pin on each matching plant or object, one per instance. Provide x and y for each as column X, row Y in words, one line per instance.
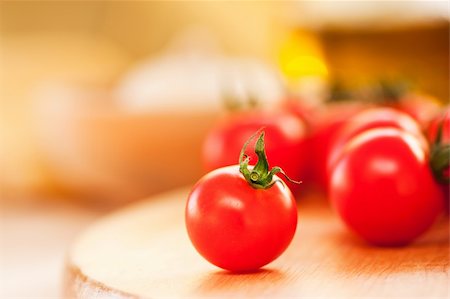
column 76, row 285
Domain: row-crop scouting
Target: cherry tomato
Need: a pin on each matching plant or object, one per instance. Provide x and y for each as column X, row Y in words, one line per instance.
column 285, row 141
column 369, row 119
column 383, row 189
column 241, row 219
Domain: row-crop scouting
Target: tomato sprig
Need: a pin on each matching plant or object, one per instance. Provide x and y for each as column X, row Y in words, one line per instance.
column 440, row 157
column 260, row 177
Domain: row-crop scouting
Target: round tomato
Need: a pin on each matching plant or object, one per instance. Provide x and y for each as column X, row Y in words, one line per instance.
column 369, row 119
column 240, row 218
column 383, row 189
column 285, row 141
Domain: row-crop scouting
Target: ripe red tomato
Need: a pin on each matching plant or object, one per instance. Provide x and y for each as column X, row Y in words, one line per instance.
column 369, row 119
column 383, row 189
column 241, row 219
column 285, row 141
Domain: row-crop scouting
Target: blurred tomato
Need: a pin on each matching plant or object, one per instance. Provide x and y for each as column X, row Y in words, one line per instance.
column 299, row 107
column 398, row 94
column 285, row 141
column 325, row 124
column 383, row 189
column 420, row 107
column 369, row 119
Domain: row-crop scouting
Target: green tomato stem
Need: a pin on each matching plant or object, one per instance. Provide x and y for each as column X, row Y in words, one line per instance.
column 260, row 177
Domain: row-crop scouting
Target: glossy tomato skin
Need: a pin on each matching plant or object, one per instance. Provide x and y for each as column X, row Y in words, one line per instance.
column 379, row 117
column 383, row 189
column 237, row 227
column 284, row 142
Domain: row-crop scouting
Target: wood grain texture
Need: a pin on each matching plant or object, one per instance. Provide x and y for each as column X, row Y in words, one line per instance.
column 143, row 252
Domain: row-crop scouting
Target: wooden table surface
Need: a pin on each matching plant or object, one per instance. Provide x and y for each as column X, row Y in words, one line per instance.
column 34, row 238
column 143, row 252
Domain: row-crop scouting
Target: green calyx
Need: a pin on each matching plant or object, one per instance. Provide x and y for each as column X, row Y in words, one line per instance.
column 440, row 158
column 260, row 177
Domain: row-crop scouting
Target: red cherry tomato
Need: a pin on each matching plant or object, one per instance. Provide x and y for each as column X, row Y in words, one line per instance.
column 241, row 219
column 383, row 189
column 285, row 141
column 369, row 119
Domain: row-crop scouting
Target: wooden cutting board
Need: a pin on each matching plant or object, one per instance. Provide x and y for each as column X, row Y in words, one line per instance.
column 143, row 252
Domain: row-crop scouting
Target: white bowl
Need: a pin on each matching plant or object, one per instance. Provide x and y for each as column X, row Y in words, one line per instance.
column 98, row 150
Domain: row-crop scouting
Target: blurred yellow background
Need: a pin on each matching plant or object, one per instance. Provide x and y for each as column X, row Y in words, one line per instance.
column 94, row 44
